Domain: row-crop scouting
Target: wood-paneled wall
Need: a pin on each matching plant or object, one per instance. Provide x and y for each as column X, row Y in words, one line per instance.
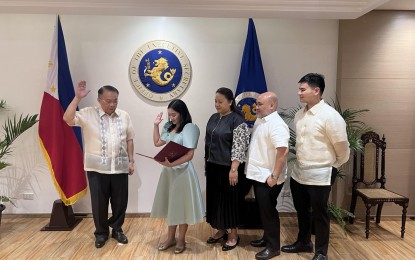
column 376, row 70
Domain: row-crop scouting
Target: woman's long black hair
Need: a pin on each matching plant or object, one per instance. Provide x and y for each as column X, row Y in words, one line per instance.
column 180, row 107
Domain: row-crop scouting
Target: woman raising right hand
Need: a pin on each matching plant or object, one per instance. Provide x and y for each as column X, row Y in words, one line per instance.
column 178, row 196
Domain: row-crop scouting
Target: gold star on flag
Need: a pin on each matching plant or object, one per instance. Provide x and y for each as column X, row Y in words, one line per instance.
column 50, row 64
column 53, row 89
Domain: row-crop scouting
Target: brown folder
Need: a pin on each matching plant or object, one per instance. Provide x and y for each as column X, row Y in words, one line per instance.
column 172, row 151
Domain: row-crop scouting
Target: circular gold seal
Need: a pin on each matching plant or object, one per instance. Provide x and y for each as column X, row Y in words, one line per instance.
column 160, row 71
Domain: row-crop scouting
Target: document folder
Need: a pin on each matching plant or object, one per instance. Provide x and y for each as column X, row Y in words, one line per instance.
column 172, row 151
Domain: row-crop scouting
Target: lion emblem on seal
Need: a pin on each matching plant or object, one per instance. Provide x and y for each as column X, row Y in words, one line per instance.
column 249, row 112
column 160, row 66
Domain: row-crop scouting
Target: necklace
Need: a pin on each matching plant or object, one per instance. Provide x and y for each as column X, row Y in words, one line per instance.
column 227, row 113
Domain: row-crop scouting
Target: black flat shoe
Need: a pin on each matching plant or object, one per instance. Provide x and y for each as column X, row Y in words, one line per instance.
column 212, row 240
column 227, row 247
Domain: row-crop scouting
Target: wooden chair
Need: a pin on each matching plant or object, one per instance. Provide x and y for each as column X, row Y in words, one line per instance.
column 372, row 186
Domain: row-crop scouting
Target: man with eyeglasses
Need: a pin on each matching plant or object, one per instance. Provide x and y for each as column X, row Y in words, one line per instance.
column 108, row 158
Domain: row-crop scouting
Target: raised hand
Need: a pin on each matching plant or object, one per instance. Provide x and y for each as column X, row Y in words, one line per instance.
column 158, row 119
column 81, row 90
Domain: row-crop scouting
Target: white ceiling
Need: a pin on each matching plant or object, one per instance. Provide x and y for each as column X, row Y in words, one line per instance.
column 302, row 9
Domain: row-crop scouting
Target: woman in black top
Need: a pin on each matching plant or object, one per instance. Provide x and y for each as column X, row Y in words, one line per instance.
column 226, row 144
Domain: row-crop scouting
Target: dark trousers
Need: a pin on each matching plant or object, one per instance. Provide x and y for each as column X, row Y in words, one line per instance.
column 266, row 198
column 105, row 188
column 310, row 202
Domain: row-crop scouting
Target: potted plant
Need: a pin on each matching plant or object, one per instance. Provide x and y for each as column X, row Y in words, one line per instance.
column 12, row 128
column 355, row 128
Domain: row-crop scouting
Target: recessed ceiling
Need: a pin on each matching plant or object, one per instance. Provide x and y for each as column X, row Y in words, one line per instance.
column 302, row 9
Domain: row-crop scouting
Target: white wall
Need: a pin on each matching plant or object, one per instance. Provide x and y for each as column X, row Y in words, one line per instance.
column 99, row 51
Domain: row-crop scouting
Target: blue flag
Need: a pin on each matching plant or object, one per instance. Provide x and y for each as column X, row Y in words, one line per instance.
column 251, row 81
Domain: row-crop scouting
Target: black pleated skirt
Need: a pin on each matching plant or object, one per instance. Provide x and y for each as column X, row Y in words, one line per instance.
column 224, row 202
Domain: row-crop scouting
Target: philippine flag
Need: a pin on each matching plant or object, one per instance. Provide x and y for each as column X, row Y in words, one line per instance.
column 61, row 144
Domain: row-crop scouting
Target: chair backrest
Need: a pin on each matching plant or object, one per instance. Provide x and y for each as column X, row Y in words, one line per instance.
column 369, row 164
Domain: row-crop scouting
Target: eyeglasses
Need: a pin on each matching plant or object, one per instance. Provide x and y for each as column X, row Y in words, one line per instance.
column 109, row 102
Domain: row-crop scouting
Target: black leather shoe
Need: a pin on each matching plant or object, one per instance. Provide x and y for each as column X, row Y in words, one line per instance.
column 212, row 240
column 258, row 243
column 298, row 247
column 100, row 242
column 319, row 257
column 267, row 253
column 120, row 237
column 227, row 247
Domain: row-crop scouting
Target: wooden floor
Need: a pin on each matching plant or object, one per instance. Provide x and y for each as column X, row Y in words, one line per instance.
column 20, row 238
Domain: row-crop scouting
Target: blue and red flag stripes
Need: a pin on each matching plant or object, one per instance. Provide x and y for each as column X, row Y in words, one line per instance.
column 61, row 144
